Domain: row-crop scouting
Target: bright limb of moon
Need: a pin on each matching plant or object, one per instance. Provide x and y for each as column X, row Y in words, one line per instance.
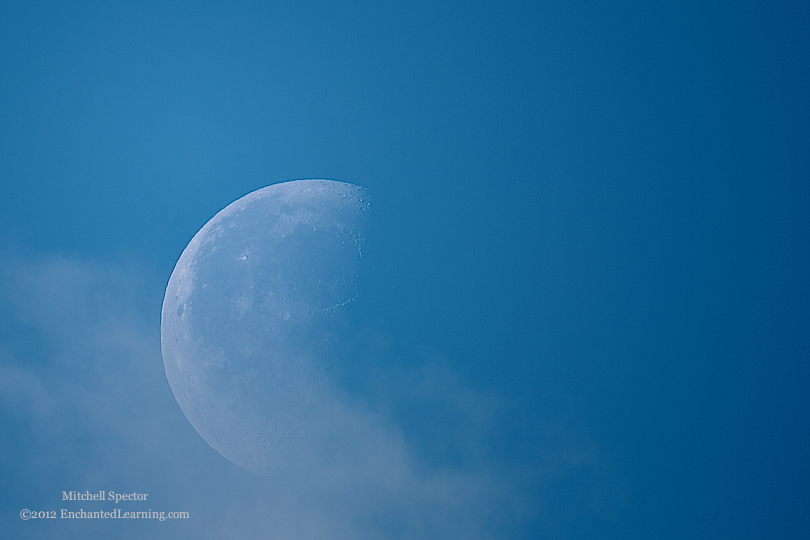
column 252, row 312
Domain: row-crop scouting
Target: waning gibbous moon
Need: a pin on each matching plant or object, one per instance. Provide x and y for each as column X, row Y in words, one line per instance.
column 251, row 310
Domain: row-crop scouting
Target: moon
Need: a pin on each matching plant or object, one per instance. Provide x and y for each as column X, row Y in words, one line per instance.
column 253, row 311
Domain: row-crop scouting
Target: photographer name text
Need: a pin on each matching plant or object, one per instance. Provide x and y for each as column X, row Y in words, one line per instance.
column 102, row 496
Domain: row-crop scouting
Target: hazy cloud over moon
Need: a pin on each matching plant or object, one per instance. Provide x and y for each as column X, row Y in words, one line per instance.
column 363, row 469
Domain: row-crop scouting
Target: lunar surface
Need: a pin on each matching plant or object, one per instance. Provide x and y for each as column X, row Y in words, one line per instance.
column 252, row 311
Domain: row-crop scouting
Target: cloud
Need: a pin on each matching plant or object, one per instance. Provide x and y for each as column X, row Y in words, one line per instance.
column 401, row 448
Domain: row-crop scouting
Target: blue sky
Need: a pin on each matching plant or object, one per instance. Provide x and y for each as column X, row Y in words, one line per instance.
column 589, row 310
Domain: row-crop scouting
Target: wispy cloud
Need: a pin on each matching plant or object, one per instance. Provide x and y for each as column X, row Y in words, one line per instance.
column 398, row 448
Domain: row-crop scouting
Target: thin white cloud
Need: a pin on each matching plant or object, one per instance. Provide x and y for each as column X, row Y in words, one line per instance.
column 407, row 456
